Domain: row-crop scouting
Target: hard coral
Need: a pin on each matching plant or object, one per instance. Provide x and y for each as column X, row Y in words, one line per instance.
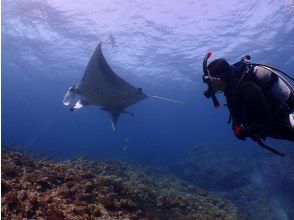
column 12, row 202
column 83, row 189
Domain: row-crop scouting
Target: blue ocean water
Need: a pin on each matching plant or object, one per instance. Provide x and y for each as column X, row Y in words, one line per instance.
column 46, row 46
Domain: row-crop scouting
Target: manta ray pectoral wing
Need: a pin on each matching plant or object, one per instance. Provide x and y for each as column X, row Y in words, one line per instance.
column 78, row 105
column 99, row 74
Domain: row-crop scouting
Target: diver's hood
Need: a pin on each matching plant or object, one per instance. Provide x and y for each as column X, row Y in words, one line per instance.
column 69, row 95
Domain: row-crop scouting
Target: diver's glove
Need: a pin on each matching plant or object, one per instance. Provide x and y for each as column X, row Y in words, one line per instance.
column 240, row 132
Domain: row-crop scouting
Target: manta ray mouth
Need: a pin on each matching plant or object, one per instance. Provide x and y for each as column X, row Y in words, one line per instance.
column 69, row 96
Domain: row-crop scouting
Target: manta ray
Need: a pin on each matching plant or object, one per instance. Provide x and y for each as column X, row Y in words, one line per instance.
column 102, row 87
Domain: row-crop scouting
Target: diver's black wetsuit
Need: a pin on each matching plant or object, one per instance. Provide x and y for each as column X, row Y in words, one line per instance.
column 251, row 106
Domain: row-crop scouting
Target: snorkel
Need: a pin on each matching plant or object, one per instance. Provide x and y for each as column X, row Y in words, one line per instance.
column 209, row 93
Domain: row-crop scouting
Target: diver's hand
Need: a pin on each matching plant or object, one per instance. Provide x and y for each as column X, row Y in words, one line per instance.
column 240, row 132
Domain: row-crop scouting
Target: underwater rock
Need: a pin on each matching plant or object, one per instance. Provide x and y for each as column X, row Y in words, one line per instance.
column 258, row 183
column 214, row 168
column 84, row 189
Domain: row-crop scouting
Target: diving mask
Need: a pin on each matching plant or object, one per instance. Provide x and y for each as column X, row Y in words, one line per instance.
column 217, row 84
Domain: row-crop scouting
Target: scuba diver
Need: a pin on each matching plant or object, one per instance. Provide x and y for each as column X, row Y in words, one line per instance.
column 259, row 98
column 112, row 40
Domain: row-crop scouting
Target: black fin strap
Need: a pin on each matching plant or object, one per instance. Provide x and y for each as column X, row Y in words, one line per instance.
column 263, row 145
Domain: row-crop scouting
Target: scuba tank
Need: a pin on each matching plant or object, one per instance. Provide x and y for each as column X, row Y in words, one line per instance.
column 279, row 73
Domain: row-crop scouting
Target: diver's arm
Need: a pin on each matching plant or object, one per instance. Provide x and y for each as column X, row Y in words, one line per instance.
column 236, row 120
column 254, row 115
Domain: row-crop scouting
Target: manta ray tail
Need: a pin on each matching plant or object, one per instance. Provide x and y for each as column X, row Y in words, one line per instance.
column 166, row 99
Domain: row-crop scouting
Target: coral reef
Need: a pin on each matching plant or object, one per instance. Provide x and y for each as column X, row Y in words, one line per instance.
column 82, row 189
